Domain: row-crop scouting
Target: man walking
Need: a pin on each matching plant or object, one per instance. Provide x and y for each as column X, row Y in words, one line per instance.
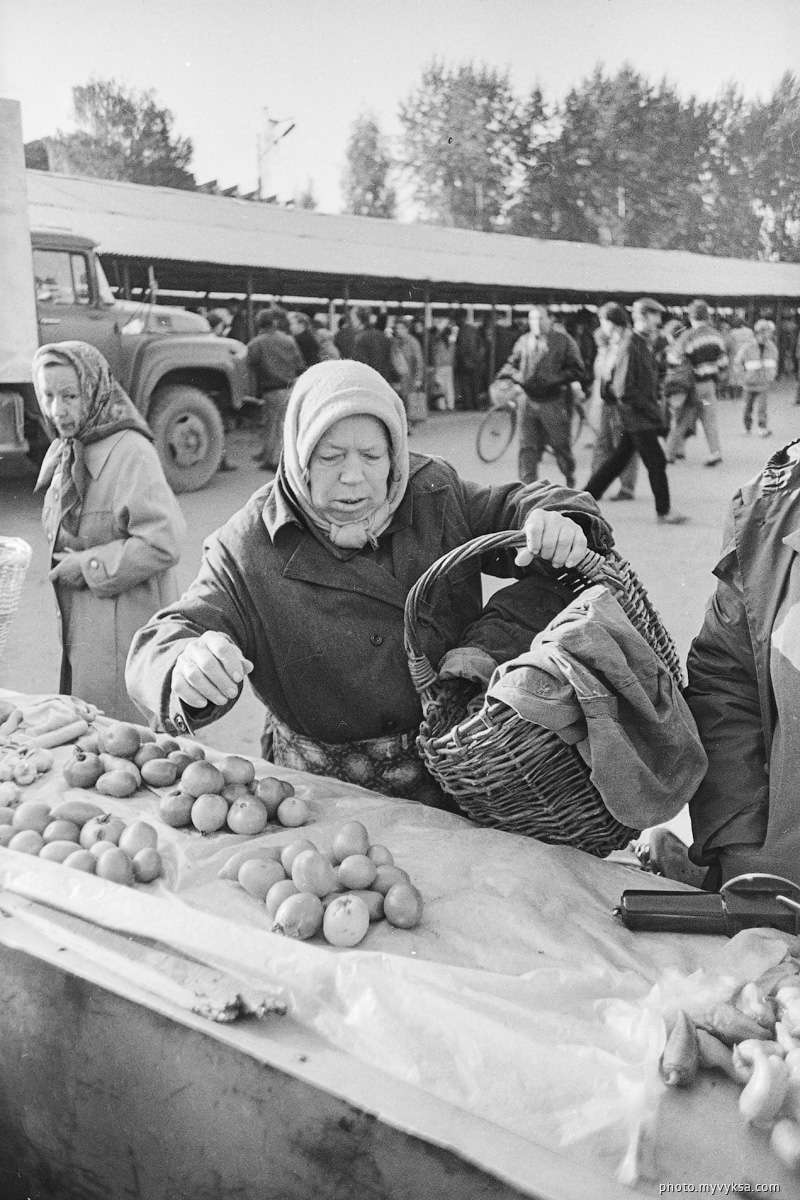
column 704, row 349
column 757, row 364
column 372, row 346
column 275, row 362
column 630, row 379
column 545, row 362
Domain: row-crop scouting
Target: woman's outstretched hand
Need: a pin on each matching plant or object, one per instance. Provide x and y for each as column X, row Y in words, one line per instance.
column 209, row 670
column 553, row 537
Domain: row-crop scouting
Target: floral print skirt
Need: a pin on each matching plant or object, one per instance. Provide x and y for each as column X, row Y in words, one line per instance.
column 389, row 765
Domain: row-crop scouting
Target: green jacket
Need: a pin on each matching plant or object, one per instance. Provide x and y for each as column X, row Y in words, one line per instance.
column 746, row 812
column 323, row 626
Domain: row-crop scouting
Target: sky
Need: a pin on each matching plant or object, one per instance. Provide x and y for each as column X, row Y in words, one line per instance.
column 224, row 68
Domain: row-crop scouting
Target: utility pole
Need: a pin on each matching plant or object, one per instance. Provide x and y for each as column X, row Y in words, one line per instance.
column 274, row 132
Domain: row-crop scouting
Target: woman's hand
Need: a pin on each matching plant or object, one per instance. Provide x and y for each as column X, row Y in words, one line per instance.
column 67, row 572
column 553, row 537
column 209, row 670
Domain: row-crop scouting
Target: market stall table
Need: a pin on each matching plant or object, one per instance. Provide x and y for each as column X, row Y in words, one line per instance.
column 508, row 1046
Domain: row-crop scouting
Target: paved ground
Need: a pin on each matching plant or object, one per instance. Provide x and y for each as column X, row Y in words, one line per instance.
column 674, row 562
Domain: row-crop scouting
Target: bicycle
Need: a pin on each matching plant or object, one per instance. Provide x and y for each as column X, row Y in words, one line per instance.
column 497, row 429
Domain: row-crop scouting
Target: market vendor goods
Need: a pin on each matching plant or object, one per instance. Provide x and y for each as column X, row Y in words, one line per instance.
column 339, row 893
column 752, row 1038
column 83, row 836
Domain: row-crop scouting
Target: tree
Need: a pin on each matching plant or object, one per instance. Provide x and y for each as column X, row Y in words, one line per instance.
column 365, row 183
column 774, row 144
column 123, row 134
column 461, row 134
column 731, row 222
column 620, row 165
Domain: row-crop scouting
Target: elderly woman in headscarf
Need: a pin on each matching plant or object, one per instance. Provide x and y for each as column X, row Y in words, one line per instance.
column 112, row 523
column 303, row 590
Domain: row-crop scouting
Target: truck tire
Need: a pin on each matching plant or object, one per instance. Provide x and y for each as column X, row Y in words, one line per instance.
column 189, row 435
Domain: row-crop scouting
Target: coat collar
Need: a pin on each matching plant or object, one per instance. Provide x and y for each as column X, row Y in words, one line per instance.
column 314, row 560
column 95, row 454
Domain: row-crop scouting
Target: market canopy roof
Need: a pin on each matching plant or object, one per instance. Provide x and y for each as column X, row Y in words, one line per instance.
column 205, row 242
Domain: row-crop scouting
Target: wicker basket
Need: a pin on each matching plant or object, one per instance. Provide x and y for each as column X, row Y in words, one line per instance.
column 15, row 556
column 503, row 771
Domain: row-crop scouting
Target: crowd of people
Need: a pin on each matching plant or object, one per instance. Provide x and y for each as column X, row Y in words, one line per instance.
column 303, row 590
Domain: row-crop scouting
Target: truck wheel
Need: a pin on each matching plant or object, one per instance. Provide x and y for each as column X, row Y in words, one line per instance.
column 189, row 435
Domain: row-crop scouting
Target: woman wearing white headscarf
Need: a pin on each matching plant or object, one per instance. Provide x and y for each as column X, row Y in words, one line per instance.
column 112, row 523
column 303, row 590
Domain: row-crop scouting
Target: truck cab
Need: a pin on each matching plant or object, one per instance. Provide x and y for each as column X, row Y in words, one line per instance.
column 180, row 376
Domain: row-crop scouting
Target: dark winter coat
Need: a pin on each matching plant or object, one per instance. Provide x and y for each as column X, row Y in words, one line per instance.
column 324, row 627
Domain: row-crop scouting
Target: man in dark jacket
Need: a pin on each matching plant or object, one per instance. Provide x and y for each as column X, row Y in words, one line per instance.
column 372, row 346
column 275, row 362
column 633, row 384
column 469, row 359
column 545, row 362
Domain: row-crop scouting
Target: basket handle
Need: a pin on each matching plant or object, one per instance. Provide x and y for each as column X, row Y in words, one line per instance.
column 592, row 567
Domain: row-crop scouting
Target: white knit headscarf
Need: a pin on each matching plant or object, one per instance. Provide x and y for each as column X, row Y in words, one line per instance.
column 324, row 394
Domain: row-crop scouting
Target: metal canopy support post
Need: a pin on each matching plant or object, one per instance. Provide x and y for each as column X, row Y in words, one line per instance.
column 126, row 279
column 426, row 342
column 248, row 287
column 784, row 351
column 493, row 339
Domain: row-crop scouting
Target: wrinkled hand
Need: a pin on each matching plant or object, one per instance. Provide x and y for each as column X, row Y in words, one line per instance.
column 209, row 670
column 67, row 570
column 553, row 537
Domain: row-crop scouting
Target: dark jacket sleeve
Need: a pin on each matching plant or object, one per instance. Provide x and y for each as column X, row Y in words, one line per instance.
column 730, row 806
column 211, row 603
column 494, row 509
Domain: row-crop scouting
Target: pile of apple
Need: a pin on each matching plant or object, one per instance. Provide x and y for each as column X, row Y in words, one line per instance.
column 306, row 891
column 118, row 758
column 82, row 836
column 230, row 798
column 121, row 758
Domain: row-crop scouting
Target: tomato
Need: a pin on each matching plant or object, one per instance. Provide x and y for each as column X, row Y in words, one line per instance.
column 237, row 769
column 299, row 916
column 346, row 921
column 209, row 811
column 33, row 814
column 386, row 877
column 292, row 812
column 138, row 836
column 352, row 838
column 356, row 871
column 381, row 856
column 247, row 815
column 311, row 872
column 115, row 866
column 101, row 829
column 146, row 865
column 291, row 850
column 175, row 809
column 257, row 876
column 202, row 778
column 402, row 906
column 279, row 892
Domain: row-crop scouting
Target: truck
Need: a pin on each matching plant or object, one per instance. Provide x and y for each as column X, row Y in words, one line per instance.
column 186, row 381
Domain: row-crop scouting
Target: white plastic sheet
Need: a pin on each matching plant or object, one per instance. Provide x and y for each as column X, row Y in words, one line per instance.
column 520, row 998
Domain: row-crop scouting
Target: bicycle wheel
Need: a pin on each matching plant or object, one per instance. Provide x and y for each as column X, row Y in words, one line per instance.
column 496, row 432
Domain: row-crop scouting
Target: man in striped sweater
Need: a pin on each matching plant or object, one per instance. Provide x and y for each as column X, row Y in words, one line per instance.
column 704, row 349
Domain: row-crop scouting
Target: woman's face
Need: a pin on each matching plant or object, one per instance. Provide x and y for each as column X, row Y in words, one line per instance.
column 60, row 394
column 349, row 470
